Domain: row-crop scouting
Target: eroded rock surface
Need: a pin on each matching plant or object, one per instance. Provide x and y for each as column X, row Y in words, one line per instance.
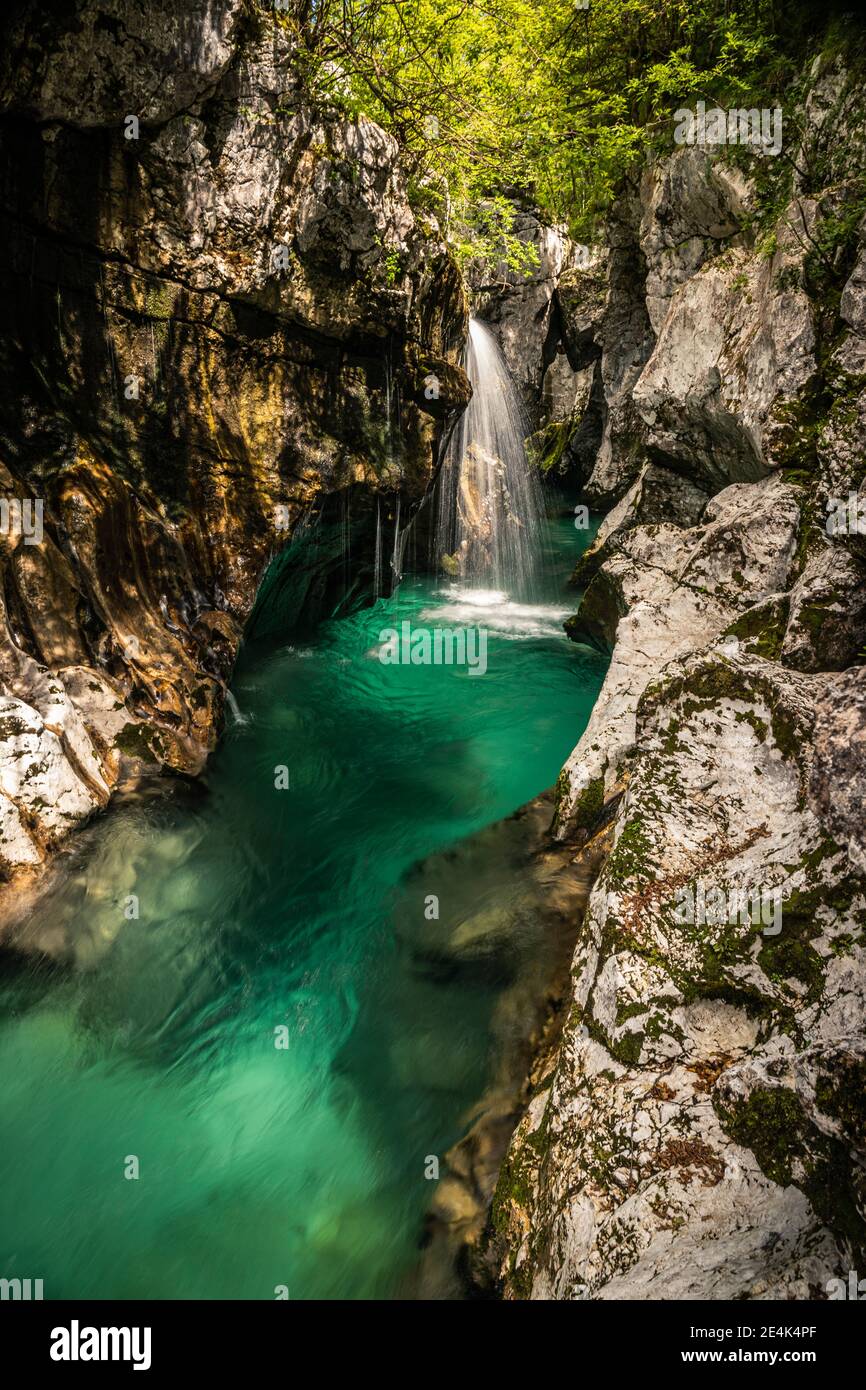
column 698, row 1132
column 219, row 312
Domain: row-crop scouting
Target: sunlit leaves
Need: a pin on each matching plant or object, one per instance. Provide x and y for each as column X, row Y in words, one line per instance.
column 538, row 98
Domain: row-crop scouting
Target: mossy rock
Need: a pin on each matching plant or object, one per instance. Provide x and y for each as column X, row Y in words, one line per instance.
column 596, row 620
column 791, row 1150
column 630, row 857
column 841, row 1094
column 762, row 629
column 546, row 448
column 770, row 1123
column 589, row 805
column 135, row 741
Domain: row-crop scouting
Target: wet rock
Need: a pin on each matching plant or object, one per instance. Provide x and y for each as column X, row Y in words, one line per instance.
column 37, row 775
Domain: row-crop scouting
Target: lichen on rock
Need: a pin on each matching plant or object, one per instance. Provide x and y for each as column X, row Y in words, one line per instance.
column 700, row 1131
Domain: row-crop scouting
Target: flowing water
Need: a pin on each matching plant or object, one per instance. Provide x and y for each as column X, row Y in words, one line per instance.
column 238, row 1034
column 262, row 909
column 490, row 511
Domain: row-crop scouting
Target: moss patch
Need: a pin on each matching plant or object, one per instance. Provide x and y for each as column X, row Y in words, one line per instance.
column 789, row 1149
column 841, row 1094
column 762, row 629
column 133, row 741
column 589, row 804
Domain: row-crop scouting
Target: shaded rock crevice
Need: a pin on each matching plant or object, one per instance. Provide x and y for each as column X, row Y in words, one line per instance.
column 219, row 310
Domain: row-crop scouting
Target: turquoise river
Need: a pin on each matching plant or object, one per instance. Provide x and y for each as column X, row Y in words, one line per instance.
column 222, row 1073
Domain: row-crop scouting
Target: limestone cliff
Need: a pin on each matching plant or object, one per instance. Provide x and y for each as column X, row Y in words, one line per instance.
column 220, row 317
column 697, row 1131
column 221, row 320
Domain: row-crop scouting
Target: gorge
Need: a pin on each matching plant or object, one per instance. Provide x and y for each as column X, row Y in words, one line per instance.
column 378, row 969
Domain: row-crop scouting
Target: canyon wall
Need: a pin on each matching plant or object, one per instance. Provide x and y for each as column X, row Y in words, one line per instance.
column 696, row 1128
column 219, row 314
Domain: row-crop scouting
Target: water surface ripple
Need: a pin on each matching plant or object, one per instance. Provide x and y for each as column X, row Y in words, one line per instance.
column 263, row 909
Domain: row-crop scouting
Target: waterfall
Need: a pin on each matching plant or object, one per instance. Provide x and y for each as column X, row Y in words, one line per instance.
column 377, row 562
column 397, row 553
column 490, row 515
column 237, row 716
column 389, row 439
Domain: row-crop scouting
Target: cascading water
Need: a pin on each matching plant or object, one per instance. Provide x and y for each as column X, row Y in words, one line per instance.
column 490, row 514
column 377, row 561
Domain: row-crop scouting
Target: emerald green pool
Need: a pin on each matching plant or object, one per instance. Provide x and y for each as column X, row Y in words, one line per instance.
column 264, row 909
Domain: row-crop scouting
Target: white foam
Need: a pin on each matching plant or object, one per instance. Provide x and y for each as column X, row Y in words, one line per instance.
column 492, row 609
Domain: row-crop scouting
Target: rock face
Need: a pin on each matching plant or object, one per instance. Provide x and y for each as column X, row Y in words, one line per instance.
column 220, row 316
column 705, row 349
column 698, row 1130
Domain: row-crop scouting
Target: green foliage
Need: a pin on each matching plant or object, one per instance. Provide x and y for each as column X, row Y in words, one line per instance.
column 486, row 234
column 392, row 267
column 541, row 101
